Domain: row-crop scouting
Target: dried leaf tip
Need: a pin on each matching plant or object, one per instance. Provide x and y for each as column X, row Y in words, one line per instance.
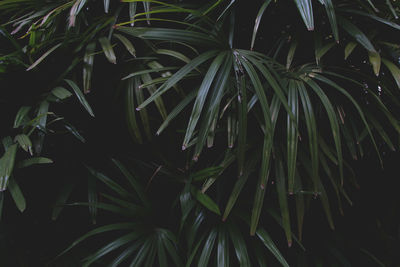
column 138, row 109
column 183, row 147
column 290, row 244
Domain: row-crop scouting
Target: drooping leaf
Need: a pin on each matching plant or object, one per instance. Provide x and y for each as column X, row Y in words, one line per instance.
column 80, row 96
column 7, row 165
column 61, row 93
column 349, row 49
column 306, row 11
column 201, row 97
column 375, row 60
column 257, row 22
column 269, row 244
column 128, row 45
column 16, row 194
column 108, row 50
column 130, row 109
column 24, row 141
column 394, row 70
column 40, row 59
column 205, row 200
column 357, row 34
column 290, row 55
column 88, row 60
column 330, row 11
column 282, row 197
column 292, row 135
column 218, row 91
column 180, row 74
column 32, row 161
column 21, row 116
column 207, row 249
column 186, row 36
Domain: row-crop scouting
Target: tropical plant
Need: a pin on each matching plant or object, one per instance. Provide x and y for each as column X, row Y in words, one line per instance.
column 276, row 107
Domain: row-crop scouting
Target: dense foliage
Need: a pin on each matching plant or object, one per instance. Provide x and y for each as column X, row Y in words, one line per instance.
column 190, row 133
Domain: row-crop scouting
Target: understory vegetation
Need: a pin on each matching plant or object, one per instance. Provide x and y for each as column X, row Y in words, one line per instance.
column 199, row 133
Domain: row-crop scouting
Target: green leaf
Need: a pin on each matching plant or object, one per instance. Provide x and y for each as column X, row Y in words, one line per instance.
column 311, row 125
column 32, row 161
column 174, row 35
column 24, row 141
column 282, row 197
column 37, row 62
column 174, row 54
column 132, row 12
column 394, row 70
column 62, row 198
column 142, row 254
column 121, row 191
column 16, row 194
column 61, row 92
column 205, row 200
column 143, row 112
column 201, row 97
column 130, row 111
column 21, row 116
column 375, row 60
column 110, row 247
column 358, row 108
column 106, row 5
column 389, row 4
column 218, row 91
column 321, row 51
column 223, row 248
column 357, row 34
column 206, row 173
column 306, row 12
column 257, row 22
column 128, row 45
column 332, row 119
column 108, row 50
column 382, row 20
column 141, row 72
column 132, row 180
column 267, row 147
column 292, row 135
column 239, row 184
column 180, row 74
column 330, row 11
column 125, row 254
column 70, row 128
column 269, row 244
column 239, row 245
column 146, row 78
column 349, row 49
column 80, row 96
column 177, row 109
column 207, row 249
column 7, row 165
column 242, row 131
column 88, row 60
column 290, row 55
